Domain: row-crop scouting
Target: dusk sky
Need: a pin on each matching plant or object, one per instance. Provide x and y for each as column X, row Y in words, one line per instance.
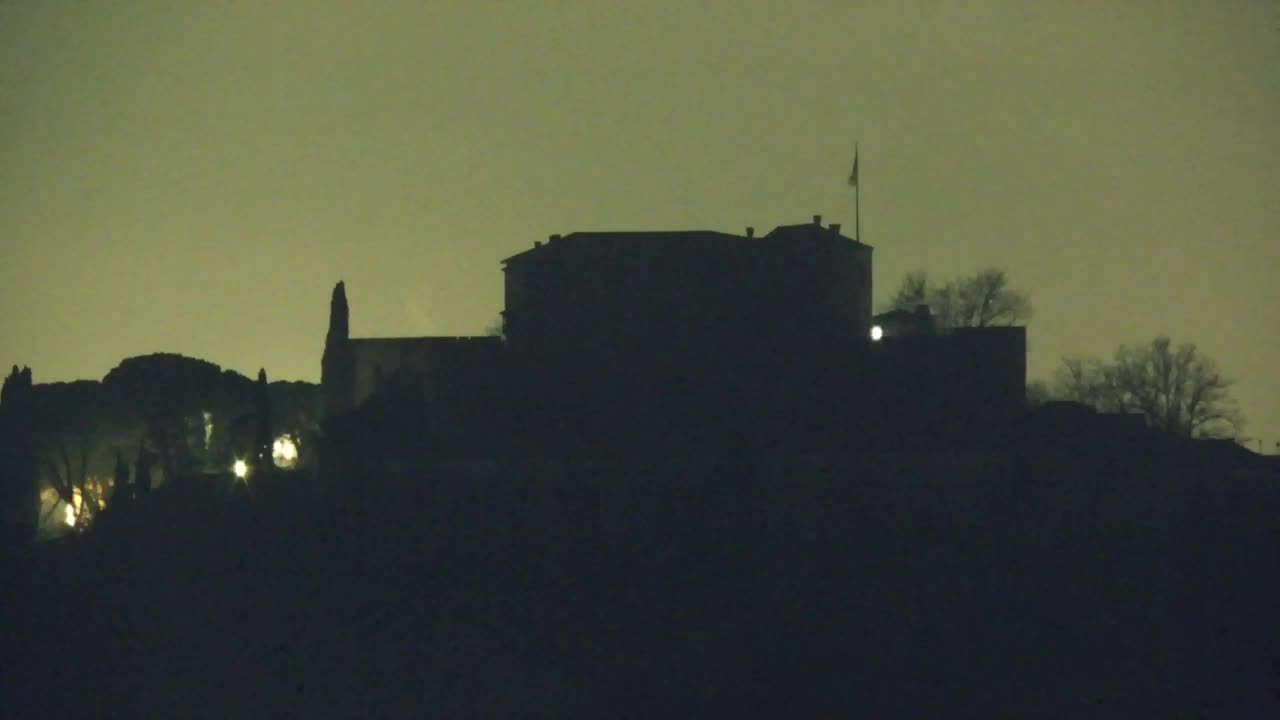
column 195, row 176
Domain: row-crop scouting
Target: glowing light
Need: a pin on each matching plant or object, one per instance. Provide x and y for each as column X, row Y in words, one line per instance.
column 72, row 509
column 241, row 469
column 97, row 489
column 877, row 332
column 284, row 452
column 208, row 428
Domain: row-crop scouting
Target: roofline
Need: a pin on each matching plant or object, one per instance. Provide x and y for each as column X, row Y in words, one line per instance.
column 674, row 233
column 423, row 338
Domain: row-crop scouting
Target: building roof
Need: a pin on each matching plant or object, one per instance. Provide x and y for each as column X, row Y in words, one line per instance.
column 812, row 230
column 902, row 315
column 703, row 238
column 437, row 340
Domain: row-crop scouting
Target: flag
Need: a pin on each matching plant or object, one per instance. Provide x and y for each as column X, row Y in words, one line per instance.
column 853, row 176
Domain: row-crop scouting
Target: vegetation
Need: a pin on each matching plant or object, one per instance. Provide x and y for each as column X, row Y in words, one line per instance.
column 73, row 435
column 182, row 416
column 885, row 582
column 890, row 584
column 1179, row 389
column 262, row 436
column 167, row 395
column 19, row 483
column 983, row 299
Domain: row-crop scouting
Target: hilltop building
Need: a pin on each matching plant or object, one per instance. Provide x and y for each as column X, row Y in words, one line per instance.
column 692, row 337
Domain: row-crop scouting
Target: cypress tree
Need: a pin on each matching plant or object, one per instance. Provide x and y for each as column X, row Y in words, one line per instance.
column 337, row 368
column 142, row 470
column 262, row 411
column 120, row 490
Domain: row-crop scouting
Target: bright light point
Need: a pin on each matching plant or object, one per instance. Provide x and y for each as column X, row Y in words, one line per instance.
column 877, row 332
column 284, row 452
column 69, row 516
column 77, row 500
column 241, row 469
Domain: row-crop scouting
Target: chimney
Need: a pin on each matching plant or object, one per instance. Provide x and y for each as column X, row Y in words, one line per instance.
column 751, row 232
column 817, row 220
column 554, row 238
column 835, row 228
column 537, row 243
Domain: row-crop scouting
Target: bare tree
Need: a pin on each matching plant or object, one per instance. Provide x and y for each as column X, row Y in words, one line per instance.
column 70, row 434
column 64, row 457
column 1178, row 389
column 1083, row 380
column 912, row 291
column 63, row 437
column 984, row 299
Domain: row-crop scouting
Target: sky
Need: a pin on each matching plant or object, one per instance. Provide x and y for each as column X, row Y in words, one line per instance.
column 194, row 177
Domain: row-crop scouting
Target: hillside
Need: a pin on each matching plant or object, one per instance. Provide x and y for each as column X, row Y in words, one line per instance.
column 1034, row 579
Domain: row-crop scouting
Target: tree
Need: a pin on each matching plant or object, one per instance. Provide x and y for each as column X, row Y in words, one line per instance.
column 69, row 433
column 1083, row 379
column 19, row 474
column 169, row 395
column 1178, row 389
column 337, row 365
column 121, row 490
column 1038, row 393
column 15, row 384
column 911, row 292
column 59, row 441
column 262, row 439
column 142, row 470
column 295, row 411
column 984, row 299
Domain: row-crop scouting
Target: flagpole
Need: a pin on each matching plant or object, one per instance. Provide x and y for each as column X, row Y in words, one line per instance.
column 857, row 189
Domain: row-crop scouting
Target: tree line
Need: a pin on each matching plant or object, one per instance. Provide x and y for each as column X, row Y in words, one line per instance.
column 177, row 415
column 1177, row 388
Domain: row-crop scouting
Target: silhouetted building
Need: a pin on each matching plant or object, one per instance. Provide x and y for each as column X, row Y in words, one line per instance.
column 903, row 323
column 693, row 337
column 600, row 293
column 1069, row 418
